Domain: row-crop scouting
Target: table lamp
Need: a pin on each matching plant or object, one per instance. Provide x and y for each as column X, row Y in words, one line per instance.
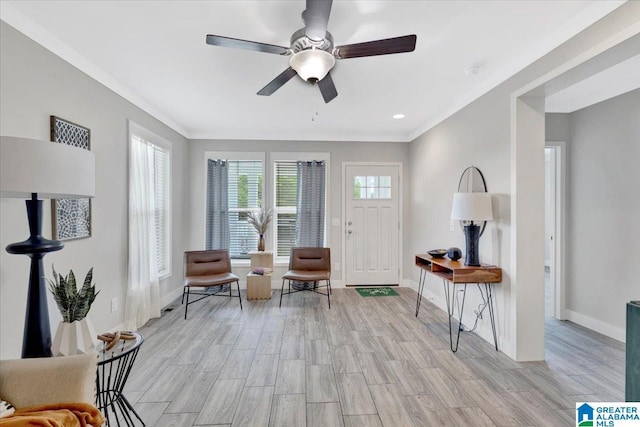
column 35, row 169
column 472, row 208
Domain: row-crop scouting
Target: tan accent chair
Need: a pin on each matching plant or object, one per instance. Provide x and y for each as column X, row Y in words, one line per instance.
column 310, row 266
column 208, row 270
column 49, row 380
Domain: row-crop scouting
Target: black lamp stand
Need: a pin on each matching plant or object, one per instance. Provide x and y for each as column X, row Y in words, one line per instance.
column 472, row 235
column 36, row 341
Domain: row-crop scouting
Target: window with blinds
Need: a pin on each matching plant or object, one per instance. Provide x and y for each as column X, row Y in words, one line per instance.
column 286, row 180
column 161, row 186
column 245, row 194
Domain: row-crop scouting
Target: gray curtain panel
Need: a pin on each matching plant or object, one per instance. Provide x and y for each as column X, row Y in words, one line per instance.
column 310, row 204
column 217, row 205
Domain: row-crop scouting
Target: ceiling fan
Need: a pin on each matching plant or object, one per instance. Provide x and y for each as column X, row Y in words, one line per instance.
column 312, row 52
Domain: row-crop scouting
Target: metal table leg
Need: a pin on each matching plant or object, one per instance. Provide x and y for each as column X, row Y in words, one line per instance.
column 449, row 291
column 423, row 276
column 489, row 298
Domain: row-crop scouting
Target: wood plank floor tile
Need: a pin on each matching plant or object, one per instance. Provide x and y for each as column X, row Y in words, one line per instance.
column 449, row 391
column 321, row 384
column 355, row 398
column 293, row 347
column 362, row 421
column 167, row 385
column 254, row 408
column 373, row 369
column 270, row 342
column 291, row 377
column 288, row 410
column 324, row 415
column 193, row 394
column 176, row 420
column 317, row 352
column 221, row 403
column 409, row 378
column 391, row 408
column 344, row 360
column 237, row 365
column 263, row 371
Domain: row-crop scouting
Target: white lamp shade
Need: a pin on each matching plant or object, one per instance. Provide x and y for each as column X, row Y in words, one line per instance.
column 472, row 207
column 312, row 63
column 53, row 170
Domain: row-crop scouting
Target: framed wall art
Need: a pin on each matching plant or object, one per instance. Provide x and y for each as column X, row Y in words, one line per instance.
column 71, row 218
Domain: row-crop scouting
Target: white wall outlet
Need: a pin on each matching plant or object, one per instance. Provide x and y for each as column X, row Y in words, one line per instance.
column 452, row 225
column 114, row 305
column 337, row 266
column 335, row 222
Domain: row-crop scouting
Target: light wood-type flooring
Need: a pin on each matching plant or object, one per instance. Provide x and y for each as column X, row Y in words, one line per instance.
column 365, row 362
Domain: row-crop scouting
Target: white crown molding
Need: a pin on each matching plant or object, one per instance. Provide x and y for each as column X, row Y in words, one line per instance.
column 37, row 33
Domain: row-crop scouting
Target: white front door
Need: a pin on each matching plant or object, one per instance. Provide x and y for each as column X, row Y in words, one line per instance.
column 372, row 229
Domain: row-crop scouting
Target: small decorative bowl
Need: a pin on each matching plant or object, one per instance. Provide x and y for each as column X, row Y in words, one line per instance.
column 437, row 253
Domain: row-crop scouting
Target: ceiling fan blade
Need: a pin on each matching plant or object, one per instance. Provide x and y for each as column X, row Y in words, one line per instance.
column 246, row 44
column 316, row 18
column 327, row 88
column 376, row 47
column 278, row 82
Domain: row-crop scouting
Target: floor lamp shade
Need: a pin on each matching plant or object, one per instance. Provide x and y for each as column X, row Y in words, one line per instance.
column 36, row 169
column 52, row 170
column 471, row 208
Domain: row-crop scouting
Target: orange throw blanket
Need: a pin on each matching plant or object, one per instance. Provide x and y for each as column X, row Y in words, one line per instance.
column 58, row 415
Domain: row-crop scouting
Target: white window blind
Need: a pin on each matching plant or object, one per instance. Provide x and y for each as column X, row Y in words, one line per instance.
column 245, row 194
column 161, row 185
column 286, row 179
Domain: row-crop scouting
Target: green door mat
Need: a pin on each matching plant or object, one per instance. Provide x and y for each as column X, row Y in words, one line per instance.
column 376, row 292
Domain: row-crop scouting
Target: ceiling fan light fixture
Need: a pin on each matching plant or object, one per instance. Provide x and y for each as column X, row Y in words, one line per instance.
column 312, row 63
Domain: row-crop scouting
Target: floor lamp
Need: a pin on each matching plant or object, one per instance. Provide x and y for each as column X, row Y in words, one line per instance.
column 32, row 169
column 472, row 208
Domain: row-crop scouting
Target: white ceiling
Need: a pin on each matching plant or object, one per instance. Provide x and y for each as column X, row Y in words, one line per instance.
column 154, row 54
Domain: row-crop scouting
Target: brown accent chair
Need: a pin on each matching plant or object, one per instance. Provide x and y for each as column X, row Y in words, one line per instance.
column 309, row 266
column 208, row 269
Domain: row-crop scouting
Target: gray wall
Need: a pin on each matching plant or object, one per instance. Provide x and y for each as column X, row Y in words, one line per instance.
column 603, row 207
column 484, row 134
column 35, row 84
column 339, row 151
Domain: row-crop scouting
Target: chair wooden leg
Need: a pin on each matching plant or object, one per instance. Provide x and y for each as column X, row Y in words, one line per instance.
column 239, row 294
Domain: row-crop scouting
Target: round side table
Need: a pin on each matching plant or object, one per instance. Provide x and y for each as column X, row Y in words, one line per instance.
column 114, row 367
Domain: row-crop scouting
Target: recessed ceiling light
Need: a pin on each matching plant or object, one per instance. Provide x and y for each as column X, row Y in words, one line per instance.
column 398, row 116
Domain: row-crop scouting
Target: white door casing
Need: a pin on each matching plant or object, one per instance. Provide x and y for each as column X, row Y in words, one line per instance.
column 372, row 223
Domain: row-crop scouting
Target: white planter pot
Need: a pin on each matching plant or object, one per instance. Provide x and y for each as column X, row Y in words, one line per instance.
column 74, row 338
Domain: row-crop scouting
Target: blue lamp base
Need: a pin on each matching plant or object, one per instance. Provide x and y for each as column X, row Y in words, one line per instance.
column 472, row 235
column 36, row 340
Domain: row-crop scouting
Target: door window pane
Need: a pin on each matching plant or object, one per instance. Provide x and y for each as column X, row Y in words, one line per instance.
column 372, row 187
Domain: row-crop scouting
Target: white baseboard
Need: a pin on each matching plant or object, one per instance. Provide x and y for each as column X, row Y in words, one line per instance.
column 170, row 297
column 597, row 325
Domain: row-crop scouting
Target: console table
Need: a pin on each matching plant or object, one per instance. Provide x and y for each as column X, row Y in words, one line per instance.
column 453, row 273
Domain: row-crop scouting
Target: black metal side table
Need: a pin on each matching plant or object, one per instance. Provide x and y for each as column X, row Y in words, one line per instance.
column 114, row 367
